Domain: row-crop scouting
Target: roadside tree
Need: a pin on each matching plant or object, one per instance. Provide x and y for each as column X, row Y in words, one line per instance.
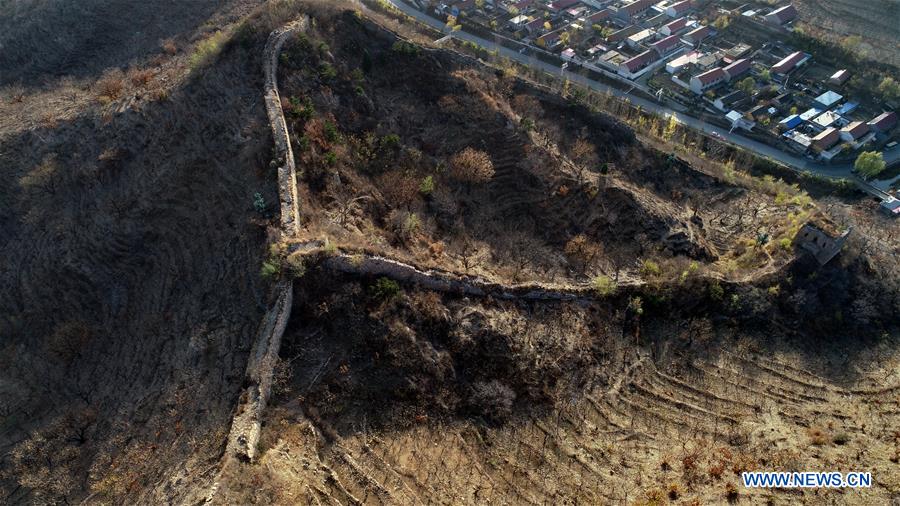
column 869, row 163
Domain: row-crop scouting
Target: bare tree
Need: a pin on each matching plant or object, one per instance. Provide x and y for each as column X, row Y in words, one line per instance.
column 345, row 204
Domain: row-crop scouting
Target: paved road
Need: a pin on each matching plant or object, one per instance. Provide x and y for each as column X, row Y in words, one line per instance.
column 801, row 164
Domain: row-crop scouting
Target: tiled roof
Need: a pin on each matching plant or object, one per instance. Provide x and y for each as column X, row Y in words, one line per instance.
column 711, row 75
column 638, row 61
column 738, row 67
column 665, row 44
column 788, row 62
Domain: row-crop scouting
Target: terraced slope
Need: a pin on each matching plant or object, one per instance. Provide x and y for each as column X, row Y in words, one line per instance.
column 377, row 420
column 875, row 21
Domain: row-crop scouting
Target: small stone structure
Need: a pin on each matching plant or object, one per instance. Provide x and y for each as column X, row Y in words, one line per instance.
column 821, row 241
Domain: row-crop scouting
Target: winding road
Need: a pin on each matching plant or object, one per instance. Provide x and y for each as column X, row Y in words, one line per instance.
column 797, row 163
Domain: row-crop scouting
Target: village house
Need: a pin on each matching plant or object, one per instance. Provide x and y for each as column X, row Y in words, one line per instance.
column 854, row 131
column 550, row 40
column 792, row 121
column 576, row 12
column 781, row 15
column 677, row 64
column 561, row 5
column 732, row 100
column 737, row 68
column 674, row 27
column 629, row 11
column 666, row 46
column 635, row 41
column 631, row 67
column 536, row 27
column 828, row 99
column 658, row 20
column 678, row 9
column 839, row 77
column 825, row 120
column 884, row 122
column 697, row 35
column 790, row 62
column 518, row 22
column 829, row 137
column 707, row 80
column 599, row 17
column 623, row 34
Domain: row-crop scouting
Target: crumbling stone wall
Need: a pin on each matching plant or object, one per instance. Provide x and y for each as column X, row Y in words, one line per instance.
column 246, row 425
column 287, row 170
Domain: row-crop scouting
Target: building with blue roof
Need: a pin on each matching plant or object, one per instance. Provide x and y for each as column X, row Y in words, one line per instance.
column 810, row 113
column 791, row 121
column 847, row 107
column 828, row 99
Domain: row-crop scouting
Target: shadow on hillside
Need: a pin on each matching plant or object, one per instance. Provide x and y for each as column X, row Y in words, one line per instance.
column 44, row 40
column 355, row 355
column 131, row 286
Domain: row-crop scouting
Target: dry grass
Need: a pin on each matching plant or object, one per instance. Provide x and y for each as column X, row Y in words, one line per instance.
column 111, row 86
column 141, row 77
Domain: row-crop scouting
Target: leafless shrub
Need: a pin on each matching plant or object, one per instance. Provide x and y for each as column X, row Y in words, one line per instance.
column 140, row 77
column 168, row 46
column 111, row 86
column 472, row 166
column 399, row 187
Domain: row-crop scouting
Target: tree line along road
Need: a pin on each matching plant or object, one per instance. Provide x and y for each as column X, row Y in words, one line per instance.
column 800, row 164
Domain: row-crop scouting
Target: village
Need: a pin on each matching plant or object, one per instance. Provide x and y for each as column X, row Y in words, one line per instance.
column 728, row 63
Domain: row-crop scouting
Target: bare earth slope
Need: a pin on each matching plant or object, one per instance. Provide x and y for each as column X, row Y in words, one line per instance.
column 394, row 394
column 131, row 287
column 877, row 22
column 42, row 39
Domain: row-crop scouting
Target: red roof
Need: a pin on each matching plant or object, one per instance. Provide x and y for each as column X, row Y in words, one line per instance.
column 827, row 138
column 563, row 4
column 788, row 62
column 681, row 6
column 711, row 76
column 784, row 14
column 600, row 16
column 524, row 4
column 638, row 6
column 698, row 34
column 551, row 37
column 885, row 121
column 664, row 45
column 537, row 24
column 856, row 129
column 638, row 62
column 737, row 68
column 676, row 25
